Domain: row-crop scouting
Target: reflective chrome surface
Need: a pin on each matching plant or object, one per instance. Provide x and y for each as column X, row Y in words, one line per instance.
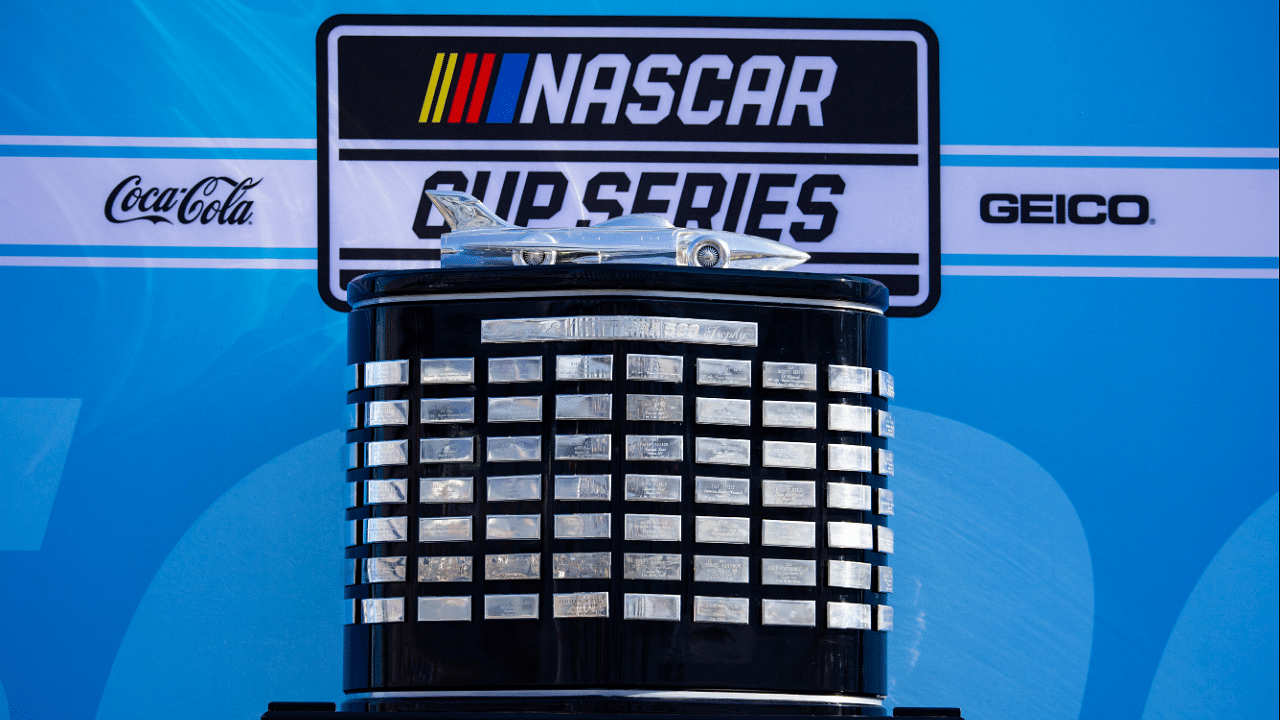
column 849, row 458
column 515, row 409
column 386, row 452
column 581, row 566
column 884, row 462
column 383, row 569
column 654, row 488
column 651, row 566
column 351, row 455
column 652, row 527
column 655, row 447
column 848, row 616
column 884, row 579
column 727, row 530
column 732, row 373
column 513, row 527
column 448, row 371
column 777, row 453
column 580, row 605
column 386, row 372
column 788, row 612
column 849, row 535
column 583, row 447
column 884, row 424
column 525, row 448
column 721, row 568
column 433, row 451
column 848, row 418
column 848, row 496
column 584, row 367
column 848, row 574
column 655, row 368
column 351, row 377
column 849, row 379
column 584, row 407
column 445, row 569
column 778, row 413
column 513, row 487
column 721, row 610
column 513, row 566
column 884, row 618
column 386, row 412
column 722, row 491
column 444, row 529
column 884, row 384
column 582, row 525
column 723, row 411
column 787, row 533
column 790, row 376
column 510, row 607
column 392, row 529
column 382, row 610
column 780, row 571
column 351, row 415
column 884, row 501
column 789, row 493
column 620, row 327
column 723, row 451
column 639, row 606
column 583, row 487
column 515, row 369
column 377, row 492
column 884, row 539
column 446, row 490
column 444, row 609
column 448, row 410
column 655, row 408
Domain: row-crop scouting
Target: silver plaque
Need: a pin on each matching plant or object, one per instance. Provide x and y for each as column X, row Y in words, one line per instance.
column 353, row 494
column 581, row 566
column 655, row 447
column 448, row 371
column 515, row 369
column 849, row 379
column 351, row 377
column 386, row 452
column 444, row 609
column 651, row 607
column 584, row 367
column 505, row 488
column 448, row 410
column 584, row 407
column 513, row 527
column 849, row 418
column 778, row 571
column 731, row 530
column 583, row 487
column 377, row 492
column 382, row 610
column 723, row 451
column 383, row 569
column 722, row 491
column 445, row 529
column 847, row 496
column 884, row 462
column 651, row 566
column 720, row 568
column 527, row 408
column 851, row 458
column 446, row 450
column 352, row 415
column 884, row 382
column 789, row 493
column 884, row 424
column 511, row 607
column 386, row 412
column 721, row 610
column 884, row 618
column 788, row 612
column 583, row 447
column 655, row 408
column 777, row 413
column 734, row 373
column 527, row 448
column 580, row 605
column 847, row 574
column 513, row 566
column 620, row 327
column 849, row 535
column 884, row 539
column 654, row 488
column 582, row 526
column 723, row 411
column 446, row 490
column 390, row 529
column 351, row 454
column 848, row 616
column 884, row 501
column 790, row 376
column 387, row 372
column 655, row 368
column 652, row 527
column 777, row 453
column 788, row 533
column 444, row 569
column 884, row 579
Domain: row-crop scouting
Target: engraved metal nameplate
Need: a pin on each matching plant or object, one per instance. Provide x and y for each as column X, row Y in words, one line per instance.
column 386, row 452
column 515, row 409
column 386, row 372
column 884, row 424
column 849, row 535
column 382, row 610
column 790, row 376
column 776, row 453
column 721, row 610
column 448, row 371
column 884, row 501
column 351, row 377
column 884, row 618
column 514, row 566
column 884, row 579
column 655, row 408
column 582, row 526
column 788, row 533
column 777, row 413
column 733, row 373
column 848, row 616
column 392, row 529
column 377, row 492
column 654, row 488
column 351, row 453
column 513, row 527
column 583, row 487
column 655, row 368
column 584, row 407
column 722, row 491
column 655, row 447
column 651, row 607
column 580, row 605
column 385, row 412
column 510, row 607
column 788, row 612
column 884, row 462
column 650, row 566
column 448, row 410
column 847, row 496
column 844, row 573
column 884, row 383
column 849, row 379
column 581, row 566
column 446, row 490
column 446, row 529
column 849, row 418
column 583, row 447
column 884, row 539
column 445, row 569
column 652, row 527
column 433, row 451
column 382, row 569
column 584, row 367
column 527, row 448
column 730, row 530
column 851, row 458
column 720, row 568
column 515, row 369
column 723, row 411
column 723, row 451
column 444, row 609
column 352, row 414
column 620, row 327
column 504, row 488
column 789, row 493
column 779, row 571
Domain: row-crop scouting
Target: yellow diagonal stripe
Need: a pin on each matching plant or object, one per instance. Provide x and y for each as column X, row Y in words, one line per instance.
column 444, row 89
column 431, row 89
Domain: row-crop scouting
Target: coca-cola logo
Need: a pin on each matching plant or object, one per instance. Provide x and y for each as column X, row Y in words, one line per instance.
column 204, row 202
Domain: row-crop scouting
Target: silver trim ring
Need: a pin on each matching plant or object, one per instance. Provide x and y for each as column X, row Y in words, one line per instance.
column 840, row 304
column 696, row 695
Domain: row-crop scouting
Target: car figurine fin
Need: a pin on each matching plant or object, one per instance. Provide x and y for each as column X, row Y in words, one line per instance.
column 464, row 212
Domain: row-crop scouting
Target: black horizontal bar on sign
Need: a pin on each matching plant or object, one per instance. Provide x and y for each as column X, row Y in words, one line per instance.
column 855, row 258
column 898, row 284
column 683, row 156
column 388, row 253
column 346, row 276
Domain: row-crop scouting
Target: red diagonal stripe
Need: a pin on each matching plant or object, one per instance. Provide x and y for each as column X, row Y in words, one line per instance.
column 482, row 87
column 464, row 86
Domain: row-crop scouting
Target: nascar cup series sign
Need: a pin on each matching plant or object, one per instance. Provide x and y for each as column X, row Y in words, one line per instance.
column 821, row 134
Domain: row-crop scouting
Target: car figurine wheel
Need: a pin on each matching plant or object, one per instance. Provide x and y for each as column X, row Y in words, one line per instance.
column 708, row 253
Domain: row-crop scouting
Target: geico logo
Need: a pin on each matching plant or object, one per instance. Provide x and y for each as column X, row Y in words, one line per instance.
column 699, row 94
column 1079, row 209
column 188, row 205
column 701, row 197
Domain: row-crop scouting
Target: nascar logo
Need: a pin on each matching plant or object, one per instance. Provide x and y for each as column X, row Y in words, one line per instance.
column 506, row 92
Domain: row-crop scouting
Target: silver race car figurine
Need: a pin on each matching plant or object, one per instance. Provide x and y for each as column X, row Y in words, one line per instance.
column 480, row 238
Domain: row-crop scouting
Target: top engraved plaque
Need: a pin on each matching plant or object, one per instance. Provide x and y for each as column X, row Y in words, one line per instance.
column 620, row 327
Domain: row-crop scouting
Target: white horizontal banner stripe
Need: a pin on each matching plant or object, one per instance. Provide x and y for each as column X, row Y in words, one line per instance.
column 1107, row 151
column 167, row 142
column 193, row 263
column 1111, row 272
